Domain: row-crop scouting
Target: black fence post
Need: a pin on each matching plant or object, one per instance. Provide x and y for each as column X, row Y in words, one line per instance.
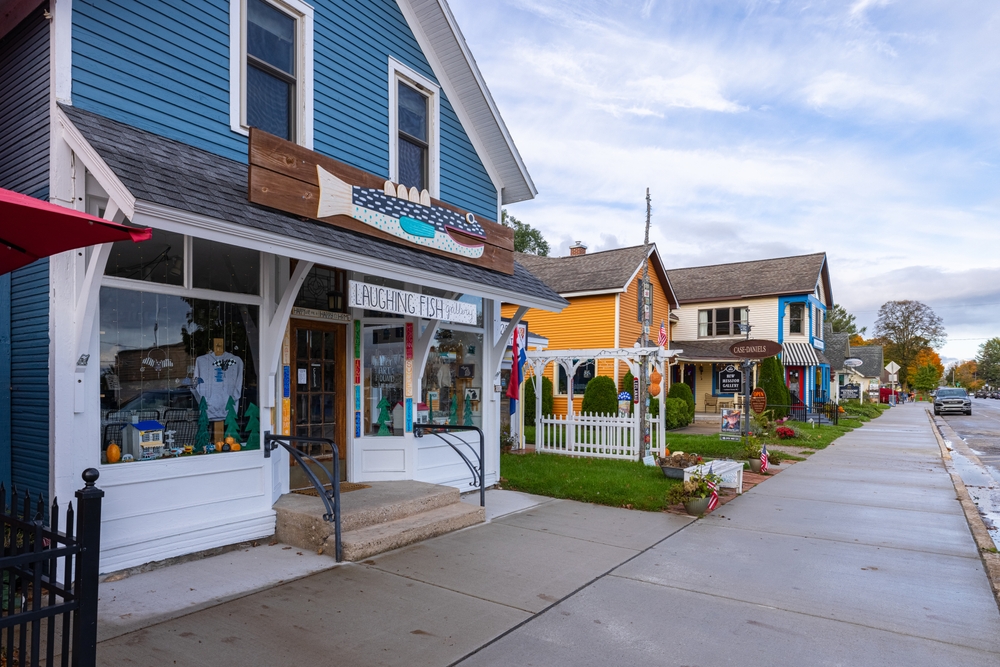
column 88, row 533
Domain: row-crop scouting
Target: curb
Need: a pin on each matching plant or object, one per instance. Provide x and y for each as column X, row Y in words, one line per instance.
column 981, row 536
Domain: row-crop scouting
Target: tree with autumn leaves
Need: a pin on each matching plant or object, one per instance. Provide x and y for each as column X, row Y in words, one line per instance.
column 964, row 374
column 927, row 365
column 907, row 329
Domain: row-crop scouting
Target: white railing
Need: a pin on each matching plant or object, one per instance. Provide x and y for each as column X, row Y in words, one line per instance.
column 598, row 436
column 655, row 439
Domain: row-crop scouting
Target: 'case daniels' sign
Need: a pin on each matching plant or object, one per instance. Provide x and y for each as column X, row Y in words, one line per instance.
column 290, row 178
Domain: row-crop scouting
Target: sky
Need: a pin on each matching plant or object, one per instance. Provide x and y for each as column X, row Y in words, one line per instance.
column 869, row 130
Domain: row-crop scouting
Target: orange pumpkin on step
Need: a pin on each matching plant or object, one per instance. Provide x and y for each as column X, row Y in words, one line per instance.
column 114, row 453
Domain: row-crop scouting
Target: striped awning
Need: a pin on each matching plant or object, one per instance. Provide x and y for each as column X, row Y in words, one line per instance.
column 798, row 354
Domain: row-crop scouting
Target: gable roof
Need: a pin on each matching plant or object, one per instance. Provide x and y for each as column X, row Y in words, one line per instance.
column 608, row 271
column 154, row 174
column 837, row 348
column 445, row 48
column 872, row 356
column 763, row 277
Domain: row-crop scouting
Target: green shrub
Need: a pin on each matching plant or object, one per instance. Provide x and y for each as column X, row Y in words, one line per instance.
column 682, row 391
column 675, row 413
column 772, row 380
column 529, row 399
column 654, row 407
column 600, row 397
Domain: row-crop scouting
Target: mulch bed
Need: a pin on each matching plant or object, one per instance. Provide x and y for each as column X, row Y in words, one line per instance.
column 750, row 480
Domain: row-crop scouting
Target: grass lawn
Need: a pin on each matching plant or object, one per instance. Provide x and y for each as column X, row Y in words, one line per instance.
column 601, row 481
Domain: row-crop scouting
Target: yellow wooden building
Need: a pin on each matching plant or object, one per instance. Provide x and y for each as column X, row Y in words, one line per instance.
column 603, row 293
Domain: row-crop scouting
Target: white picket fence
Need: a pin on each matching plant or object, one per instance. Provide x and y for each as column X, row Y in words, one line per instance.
column 595, row 435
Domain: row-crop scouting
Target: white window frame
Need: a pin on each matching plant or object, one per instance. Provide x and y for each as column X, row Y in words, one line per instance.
column 398, row 72
column 303, row 15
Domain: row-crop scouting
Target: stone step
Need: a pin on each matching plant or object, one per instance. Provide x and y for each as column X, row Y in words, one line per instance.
column 379, row 538
column 299, row 520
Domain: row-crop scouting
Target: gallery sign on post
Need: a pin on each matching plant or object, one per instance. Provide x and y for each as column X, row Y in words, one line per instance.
column 401, row 302
column 730, row 380
column 850, row 392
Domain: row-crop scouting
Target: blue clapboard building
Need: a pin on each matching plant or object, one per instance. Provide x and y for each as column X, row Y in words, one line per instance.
column 214, row 122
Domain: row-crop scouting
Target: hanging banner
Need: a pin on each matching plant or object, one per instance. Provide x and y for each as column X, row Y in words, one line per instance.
column 401, row 302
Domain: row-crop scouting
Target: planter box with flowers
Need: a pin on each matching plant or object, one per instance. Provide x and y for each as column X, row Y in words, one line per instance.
column 679, row 465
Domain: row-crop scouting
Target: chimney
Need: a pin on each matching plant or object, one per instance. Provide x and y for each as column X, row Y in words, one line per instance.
column 577, row 249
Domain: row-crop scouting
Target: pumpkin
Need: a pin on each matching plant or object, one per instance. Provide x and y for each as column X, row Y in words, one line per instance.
column 235, row 447
column 230, row 440
column 114, row 453
column 666, row 452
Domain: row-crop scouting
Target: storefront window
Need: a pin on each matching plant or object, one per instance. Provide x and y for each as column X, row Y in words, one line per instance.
column 452, row 387
column 225, row 268
column 178, row 376
column 158, row 260
column 384, row 356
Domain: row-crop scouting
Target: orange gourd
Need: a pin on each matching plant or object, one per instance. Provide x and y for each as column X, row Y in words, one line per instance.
column 234, row 447
column 654, row 383
column 114, row 453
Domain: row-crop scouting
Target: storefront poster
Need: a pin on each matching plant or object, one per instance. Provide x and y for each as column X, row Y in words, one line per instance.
column 731, row 421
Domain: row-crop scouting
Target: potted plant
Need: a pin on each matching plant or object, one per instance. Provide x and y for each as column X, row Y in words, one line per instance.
column 751, row 452
column 695, row 493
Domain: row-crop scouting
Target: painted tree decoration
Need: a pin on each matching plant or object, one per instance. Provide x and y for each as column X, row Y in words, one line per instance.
column 453, row 412
column 232, row 427
column 253, row 426
column 384, row 417
column 467, row 416
column 202, row 439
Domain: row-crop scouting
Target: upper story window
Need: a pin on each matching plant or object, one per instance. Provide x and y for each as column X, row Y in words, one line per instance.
column 721, row 321
column 271, row 82
column 413, row 129
column 796, row 314
column 818, row 324
column 270, row 62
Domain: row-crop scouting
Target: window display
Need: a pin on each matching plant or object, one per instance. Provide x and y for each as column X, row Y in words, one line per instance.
column 384, row 358
column 452, row 386
column 158, row 260
column 178, row 376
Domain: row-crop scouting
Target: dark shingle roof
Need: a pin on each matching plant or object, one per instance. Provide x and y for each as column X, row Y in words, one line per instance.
column 594, row 272
column 837, row 347
column 872, row 356
column 705, row 350
column 174, row 174
column 764, row 277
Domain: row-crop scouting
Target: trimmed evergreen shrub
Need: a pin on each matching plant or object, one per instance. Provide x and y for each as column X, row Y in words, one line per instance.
column 654, row 407
column 772, row 380
column 600, row 397
column 529, row 400
column 675, row 413
column 682, row 391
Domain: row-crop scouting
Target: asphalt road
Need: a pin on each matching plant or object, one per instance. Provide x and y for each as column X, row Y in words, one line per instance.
column 981, row 432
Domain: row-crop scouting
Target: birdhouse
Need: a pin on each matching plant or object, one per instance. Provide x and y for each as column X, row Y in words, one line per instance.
column 144, row 440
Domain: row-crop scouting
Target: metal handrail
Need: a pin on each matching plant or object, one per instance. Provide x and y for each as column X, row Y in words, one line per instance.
column 478, row 473
column 331, row 498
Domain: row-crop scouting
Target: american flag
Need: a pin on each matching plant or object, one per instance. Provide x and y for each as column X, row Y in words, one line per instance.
column 763, row 458
column 663, row 334
column 713, row 500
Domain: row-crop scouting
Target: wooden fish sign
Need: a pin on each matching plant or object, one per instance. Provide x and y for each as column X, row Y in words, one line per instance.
column 290, row 178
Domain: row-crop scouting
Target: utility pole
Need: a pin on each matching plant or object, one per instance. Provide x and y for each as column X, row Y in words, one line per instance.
column 646, row 296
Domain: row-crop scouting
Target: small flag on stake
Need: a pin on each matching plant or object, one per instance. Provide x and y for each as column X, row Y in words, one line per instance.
column 713, row 500
column 763, row 458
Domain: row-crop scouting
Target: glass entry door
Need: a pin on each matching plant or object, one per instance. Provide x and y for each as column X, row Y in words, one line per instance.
column 319, row 379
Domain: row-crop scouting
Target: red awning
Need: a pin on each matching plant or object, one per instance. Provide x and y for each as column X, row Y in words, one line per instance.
column 31, row 228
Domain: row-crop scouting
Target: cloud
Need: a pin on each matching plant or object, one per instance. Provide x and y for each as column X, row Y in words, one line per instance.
column 839, row 90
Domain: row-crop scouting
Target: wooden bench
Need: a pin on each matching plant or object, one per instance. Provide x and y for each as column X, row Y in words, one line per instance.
column 730, row 471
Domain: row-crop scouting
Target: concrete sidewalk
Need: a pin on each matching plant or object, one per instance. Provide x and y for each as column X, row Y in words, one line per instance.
column 860, row 555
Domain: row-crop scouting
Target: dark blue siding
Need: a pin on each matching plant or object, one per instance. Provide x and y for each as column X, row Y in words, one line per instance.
column 29, row 377
column 24, row 294
column 164, row 67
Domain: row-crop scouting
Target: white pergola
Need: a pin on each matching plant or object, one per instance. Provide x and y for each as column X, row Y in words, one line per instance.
column 570, row 361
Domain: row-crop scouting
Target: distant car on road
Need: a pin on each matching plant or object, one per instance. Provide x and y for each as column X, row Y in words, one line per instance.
column 980, row 394
column 948, row 399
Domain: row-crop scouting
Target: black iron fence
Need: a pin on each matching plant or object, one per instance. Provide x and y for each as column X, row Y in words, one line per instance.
column 329, row 492
column 49, row 575
column 820, row 413
column 477, row 469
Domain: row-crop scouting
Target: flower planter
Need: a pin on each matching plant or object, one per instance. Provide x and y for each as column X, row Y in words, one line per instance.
column 696, row 506
column 677, row 473
column 754, row 465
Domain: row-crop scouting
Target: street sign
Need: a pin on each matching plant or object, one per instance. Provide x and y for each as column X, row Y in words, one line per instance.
column 755, row 349
column 894, row 377
column 758, row 400
column 730, row 380
column 850, row 392
column 853, row 362
column 893, row 367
